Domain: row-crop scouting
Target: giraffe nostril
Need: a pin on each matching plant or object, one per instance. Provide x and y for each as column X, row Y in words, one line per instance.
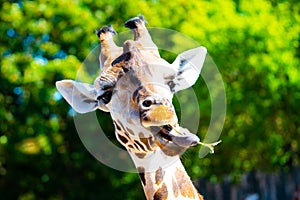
column 147, row 103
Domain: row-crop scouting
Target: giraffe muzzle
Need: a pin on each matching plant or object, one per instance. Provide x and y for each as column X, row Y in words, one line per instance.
column 158, row 115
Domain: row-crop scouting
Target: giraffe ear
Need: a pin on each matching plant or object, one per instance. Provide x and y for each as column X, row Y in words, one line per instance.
column 81, row 96
column 188, row 65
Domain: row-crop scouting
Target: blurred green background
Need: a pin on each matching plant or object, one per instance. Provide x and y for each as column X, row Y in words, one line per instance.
column 255, row 45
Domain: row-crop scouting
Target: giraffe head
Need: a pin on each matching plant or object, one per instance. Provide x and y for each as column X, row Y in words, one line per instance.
column 136, row 86
column 105, row 32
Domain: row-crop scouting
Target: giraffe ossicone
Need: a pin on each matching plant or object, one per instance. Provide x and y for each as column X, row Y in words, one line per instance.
column 136, row 86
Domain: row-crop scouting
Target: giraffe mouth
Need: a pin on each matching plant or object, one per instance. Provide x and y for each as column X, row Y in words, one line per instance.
column 167, row 135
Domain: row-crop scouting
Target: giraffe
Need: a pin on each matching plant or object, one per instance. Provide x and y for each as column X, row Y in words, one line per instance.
column 136, row 86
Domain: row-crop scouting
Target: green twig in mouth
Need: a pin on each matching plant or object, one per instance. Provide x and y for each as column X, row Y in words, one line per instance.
column 210, row 145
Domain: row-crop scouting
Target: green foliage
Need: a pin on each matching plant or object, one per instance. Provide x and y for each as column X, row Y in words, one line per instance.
column 255, row 45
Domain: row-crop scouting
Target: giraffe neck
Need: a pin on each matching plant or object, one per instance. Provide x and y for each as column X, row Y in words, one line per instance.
column 164, row 178
column 161, row 172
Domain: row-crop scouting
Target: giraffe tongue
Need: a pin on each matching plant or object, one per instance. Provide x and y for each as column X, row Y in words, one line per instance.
column 180, row 136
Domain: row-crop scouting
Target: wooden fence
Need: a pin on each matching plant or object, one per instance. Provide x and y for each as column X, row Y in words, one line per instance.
column 254, row 185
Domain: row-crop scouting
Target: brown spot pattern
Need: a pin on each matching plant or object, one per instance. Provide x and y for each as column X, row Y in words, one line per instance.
column 122, row 139
column 117, row 126
column 159, row 176
column 175, row 188
column 140, row 155
column 161, row 193
column 120, row 125
column 140, row 145
column 186, row 187
column 129, row 131
column 146, row 142
column 141, row 171
column 136, row 146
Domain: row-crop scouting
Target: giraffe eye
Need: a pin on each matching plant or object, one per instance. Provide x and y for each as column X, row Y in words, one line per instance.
column 147, row 103
column 105, row 97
